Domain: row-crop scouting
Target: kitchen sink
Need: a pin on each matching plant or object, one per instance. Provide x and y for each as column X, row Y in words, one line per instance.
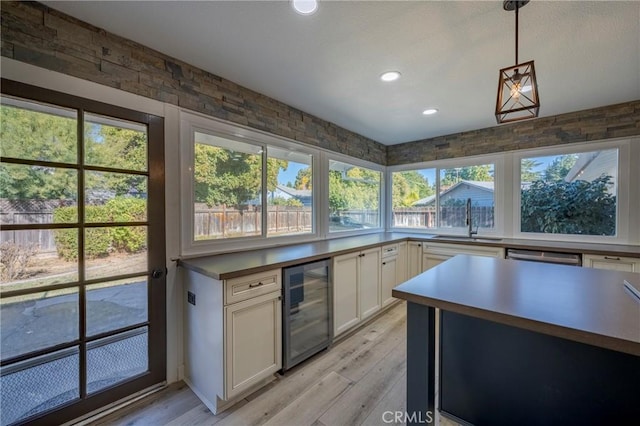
column 464, row 238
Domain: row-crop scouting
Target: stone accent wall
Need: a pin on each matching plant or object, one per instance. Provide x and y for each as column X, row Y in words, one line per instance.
column 46, row 38
column 35, row 34
column 612, row 121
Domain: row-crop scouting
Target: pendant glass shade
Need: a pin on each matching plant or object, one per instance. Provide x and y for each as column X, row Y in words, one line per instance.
column 517, row 93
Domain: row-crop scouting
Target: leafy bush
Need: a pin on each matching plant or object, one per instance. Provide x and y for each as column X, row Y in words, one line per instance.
column 101, row 241
column 578, row 207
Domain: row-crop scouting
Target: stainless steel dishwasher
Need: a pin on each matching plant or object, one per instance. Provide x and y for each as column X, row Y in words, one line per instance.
column 545, row 256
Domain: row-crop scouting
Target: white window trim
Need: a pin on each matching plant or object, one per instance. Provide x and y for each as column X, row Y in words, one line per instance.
column 328, row 156
column 627, row 195
column 190, row 123
column 499, row 191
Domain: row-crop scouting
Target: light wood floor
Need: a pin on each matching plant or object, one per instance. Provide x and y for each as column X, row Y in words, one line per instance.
column 352, row 383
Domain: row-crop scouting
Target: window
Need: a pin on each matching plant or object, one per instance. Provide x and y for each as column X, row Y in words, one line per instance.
column 354, row 197
column 413, row 194
column 227, row 188
column 244, row 189
column 289, row 192
column 457, row 185
column 572, row 194
column 420, row 201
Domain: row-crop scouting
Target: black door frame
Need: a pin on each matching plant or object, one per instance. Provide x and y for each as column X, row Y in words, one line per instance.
column 156, row 257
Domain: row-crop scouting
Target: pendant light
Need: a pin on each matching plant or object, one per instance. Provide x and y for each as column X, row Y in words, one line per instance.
column 517, row 87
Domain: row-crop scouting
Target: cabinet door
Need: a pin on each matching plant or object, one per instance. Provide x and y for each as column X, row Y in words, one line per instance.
column 431, row 260
column 369, row 277
column 402, row 267
column 253, row 342
column 414, row 259
column 616, row 263
column 389, row 273
column 345, row 292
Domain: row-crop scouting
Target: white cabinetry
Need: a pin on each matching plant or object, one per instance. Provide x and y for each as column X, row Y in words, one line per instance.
column 436, row 253
column 414, row 258
column 389, row 272
column 616, row 263
column 233, row 335
column 356, row 288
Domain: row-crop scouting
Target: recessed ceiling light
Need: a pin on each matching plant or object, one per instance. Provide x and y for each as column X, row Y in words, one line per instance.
column 390, row 76
column 429, row 111
column 305, row 7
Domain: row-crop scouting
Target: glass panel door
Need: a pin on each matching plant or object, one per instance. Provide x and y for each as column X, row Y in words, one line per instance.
column 82, row 290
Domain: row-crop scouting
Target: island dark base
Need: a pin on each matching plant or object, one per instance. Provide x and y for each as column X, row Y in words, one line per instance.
column 495, row 374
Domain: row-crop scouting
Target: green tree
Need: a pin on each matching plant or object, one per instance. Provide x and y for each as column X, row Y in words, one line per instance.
column 303, row 179
column 357, row 189
column 578, row 207
column 481, row 173
column 225, row 177
column 559, row 167
column 527, row 173
column 409, row 187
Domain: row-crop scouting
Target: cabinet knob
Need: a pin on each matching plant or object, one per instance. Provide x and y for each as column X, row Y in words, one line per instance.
column 256, row 285
column 384, row 263
column 611, row 258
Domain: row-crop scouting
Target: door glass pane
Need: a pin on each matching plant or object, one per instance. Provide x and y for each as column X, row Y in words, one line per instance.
column 38, row 321
column 115, row 197
column 457, row 184
column 117, row 358
column 37, row 131
column 227, row 177
column 111, row 251
column 116, row 304
column 354, row 197
column 570, row 193
column 413, row 194
column 289, row 192
column 39, row 384
column 37, row 257
column 110, row 142
column 37, row 194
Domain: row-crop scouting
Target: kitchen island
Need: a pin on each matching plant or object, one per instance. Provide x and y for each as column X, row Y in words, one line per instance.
column 522, row 343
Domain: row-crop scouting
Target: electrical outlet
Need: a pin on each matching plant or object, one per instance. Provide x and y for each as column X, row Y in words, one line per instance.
column 191, row 298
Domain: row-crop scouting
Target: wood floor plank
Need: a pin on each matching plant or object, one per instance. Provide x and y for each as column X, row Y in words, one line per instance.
column 394, row 401
column 368, row 356
column 355, row 405
column 160, row 408
column 308, row 408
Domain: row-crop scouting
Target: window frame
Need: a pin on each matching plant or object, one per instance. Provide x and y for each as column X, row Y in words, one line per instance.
column 382, row 199
column 190, row 123
column 625, row 197
column 499, row 168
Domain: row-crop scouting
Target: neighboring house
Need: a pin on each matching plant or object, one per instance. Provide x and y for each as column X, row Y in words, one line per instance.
column 302, row 195
column 480, row 192
column 592, row 165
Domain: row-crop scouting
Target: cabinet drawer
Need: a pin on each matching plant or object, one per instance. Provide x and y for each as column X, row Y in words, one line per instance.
column 389, row 250
column 243, row 288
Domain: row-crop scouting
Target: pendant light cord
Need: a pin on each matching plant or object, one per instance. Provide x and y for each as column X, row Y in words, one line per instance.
column 517, row 7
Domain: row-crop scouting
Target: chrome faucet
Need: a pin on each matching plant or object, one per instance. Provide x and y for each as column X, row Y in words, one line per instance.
column 470, row 230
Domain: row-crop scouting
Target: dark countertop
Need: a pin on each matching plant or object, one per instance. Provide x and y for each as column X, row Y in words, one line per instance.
column 581, row 304
column 230, row 265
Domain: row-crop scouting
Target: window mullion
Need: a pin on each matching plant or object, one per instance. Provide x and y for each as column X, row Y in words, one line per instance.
column 264, row 202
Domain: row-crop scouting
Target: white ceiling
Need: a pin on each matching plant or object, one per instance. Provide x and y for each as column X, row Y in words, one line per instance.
column 587, row 54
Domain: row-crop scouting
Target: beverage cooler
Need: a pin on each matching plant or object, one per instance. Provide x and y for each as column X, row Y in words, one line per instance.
column 307, row 311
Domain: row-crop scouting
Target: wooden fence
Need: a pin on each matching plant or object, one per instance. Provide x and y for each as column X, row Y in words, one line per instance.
column 220, row 222
column 450, row 217
column 41, row 238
